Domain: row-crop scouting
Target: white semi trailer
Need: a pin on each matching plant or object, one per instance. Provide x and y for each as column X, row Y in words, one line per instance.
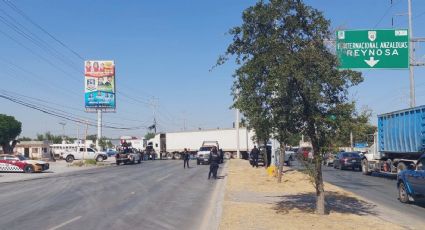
column 171, row 145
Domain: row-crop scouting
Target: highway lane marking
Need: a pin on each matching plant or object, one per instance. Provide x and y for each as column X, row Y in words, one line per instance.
column 165, row 177
column 65, row 223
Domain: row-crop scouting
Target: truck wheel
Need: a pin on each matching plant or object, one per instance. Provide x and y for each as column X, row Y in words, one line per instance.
column 401, row 166
column 177, row 156
column 227, row 155
column 69, row 159
column 169, row 156
column 99, row 158
column 28, row 169
column 139, row 161
column 402, row 193
column 365, row 167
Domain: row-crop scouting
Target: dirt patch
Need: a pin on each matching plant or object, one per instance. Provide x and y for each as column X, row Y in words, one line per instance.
column 254, row 200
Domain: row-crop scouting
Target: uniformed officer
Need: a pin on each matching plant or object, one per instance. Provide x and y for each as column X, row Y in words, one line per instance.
column 214, row 160
column 254, row 154
column 186, row 157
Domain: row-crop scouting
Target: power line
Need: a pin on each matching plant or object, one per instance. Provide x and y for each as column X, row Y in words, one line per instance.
column 20, row 12
column 66, row 116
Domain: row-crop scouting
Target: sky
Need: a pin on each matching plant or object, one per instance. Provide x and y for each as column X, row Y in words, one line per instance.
column 164, row 51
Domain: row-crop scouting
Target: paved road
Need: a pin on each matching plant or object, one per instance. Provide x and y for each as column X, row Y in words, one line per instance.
column 153, row 195
column 380, row 190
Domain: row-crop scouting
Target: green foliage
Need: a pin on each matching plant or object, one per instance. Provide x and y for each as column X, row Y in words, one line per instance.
column 24, row 139
column 90, row 162
column 149, row 135
column 288, row 82
column 55, row 139
column 104, row 143
column 10, row 128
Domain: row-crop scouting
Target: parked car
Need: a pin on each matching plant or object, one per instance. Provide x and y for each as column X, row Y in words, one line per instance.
column 344, row 160
column 18, row 163
column 411, row 182
column 111, row 152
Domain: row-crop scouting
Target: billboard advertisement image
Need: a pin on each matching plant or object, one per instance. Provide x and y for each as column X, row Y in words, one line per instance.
column 99, row 85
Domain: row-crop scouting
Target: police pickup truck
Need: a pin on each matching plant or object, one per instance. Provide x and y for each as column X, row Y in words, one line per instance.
column 128, row 156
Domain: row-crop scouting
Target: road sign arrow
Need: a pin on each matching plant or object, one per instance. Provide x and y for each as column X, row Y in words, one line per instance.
column 371, row 62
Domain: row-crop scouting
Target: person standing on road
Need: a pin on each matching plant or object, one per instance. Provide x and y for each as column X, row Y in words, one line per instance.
column 214, row 160
column 186, row 157
column 254, row 154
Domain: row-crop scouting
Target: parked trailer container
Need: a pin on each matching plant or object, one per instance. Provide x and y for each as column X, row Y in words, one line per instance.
column 171, row 144
column 400, row 141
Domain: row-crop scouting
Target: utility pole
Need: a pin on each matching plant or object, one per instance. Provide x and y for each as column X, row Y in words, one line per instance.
column 99, row 128
column 85, row 140
column 63, row 131
column 351, row 141
column 411, row 56
column 238, row 152
column 153, row 106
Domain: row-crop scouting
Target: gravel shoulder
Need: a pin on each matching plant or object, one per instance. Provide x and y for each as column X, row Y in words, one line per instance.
column 254, row 200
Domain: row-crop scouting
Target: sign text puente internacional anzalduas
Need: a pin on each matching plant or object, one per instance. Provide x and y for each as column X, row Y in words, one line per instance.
column 373, row 49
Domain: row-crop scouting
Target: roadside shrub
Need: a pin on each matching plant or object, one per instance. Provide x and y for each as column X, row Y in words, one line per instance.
column 90, row 162
column 77, row 163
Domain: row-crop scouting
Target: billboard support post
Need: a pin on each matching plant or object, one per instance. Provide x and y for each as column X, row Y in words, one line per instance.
column 99, row 129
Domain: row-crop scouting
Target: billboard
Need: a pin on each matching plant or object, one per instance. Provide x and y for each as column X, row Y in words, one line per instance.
column 99, row 85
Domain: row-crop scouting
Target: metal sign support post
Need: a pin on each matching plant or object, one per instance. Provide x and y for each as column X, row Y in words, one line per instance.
column 411, row 57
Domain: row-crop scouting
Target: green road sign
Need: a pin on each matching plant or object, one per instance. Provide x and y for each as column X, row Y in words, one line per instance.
column 373, row 49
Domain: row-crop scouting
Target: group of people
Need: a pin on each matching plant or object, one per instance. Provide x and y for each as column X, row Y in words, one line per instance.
column 214, row 158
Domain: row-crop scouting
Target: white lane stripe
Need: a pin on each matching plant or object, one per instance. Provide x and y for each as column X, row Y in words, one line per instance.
column 163, row 178
column 65, row 223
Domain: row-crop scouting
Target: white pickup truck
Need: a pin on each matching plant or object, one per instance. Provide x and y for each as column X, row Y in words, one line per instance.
column 81, row 153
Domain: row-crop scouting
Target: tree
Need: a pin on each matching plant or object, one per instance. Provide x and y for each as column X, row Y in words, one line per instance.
column 149, row 135
column 280, row 47
column 55, row 139
column 10, row 128
column 24, row 139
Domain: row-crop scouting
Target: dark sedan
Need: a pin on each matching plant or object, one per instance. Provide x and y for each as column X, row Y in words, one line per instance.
column 347, row 160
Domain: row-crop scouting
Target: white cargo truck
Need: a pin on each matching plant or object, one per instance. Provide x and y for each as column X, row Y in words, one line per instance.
column 171, row 145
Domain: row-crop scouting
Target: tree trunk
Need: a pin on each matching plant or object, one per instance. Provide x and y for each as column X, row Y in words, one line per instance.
column 318, row 181
column 281, row 162
column 266, row 160
column 6, row 148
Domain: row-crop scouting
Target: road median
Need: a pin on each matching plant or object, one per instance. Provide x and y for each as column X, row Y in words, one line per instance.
column 254, row 200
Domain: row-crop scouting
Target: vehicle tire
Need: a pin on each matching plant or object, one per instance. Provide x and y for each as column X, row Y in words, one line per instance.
column 340, row 167
column 365, row 167
column 401, row 166
column 402, row 193
column 69, row 158
column 197, row 162
column 227, row 155
column 288, row 163
column 177, row 156
column 169, row 156
column 99, row 158
column 139, row 161
column 28, row 169
column 133, row 161
column 117, row 162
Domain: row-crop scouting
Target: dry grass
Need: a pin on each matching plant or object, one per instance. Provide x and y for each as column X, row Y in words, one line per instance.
column 255, row 200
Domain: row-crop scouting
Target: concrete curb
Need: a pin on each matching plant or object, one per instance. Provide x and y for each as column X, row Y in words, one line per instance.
column 212, row 216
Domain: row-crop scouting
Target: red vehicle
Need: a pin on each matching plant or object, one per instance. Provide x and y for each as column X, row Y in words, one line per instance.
column 18, row 163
